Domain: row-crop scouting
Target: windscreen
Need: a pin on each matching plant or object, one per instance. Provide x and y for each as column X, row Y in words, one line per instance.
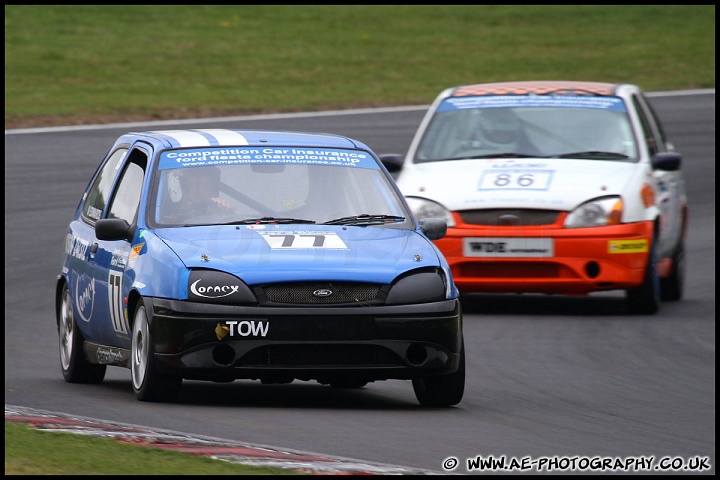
column 206, row 186
column 549, row 126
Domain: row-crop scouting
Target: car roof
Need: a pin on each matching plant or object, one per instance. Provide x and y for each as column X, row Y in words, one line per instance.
column 537, row 87
column 221, row 137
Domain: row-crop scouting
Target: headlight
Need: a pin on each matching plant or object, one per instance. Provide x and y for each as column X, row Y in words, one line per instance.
column 423, row 208
column 596, row 213
column 211, row 286
column 422, row 286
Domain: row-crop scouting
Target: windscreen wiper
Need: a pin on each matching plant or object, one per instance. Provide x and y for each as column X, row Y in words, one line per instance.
column 365, row 219
column 592, row 154
column 267, row 220
column 495, row 155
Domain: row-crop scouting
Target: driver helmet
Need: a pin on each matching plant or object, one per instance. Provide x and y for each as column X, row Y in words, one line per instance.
column 499, row 126
column 183, row 179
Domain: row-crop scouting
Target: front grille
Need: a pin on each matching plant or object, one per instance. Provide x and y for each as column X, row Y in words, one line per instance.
column 320, row 293
column 320, row 356
column 506, row 217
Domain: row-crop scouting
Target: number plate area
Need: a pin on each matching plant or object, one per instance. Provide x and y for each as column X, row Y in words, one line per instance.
column 514, row 179
column 510, row 247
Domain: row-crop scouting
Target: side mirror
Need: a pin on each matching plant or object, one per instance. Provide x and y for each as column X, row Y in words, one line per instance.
column 666, row 161
column 433, row 228
column 114, row 229
column 392, row 161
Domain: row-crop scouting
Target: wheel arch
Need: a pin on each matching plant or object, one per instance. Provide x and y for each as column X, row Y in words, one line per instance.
column 134, row 299
column 59, row 284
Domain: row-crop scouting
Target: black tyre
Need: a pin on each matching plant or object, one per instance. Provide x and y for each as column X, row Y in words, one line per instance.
column 673, row 287
column 75, row 367
column 443, row 390
column 645, row 299
column 148, row 384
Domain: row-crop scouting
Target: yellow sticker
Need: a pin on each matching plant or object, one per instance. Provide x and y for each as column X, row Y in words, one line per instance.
column 627, row 246
column 221, row 331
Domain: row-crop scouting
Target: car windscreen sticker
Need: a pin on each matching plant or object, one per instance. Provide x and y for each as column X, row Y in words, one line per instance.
column 296, row 240
column 196, row 157
column 511, row 101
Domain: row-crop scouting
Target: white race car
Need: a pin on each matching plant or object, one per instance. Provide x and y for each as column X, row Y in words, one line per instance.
column 557, row 187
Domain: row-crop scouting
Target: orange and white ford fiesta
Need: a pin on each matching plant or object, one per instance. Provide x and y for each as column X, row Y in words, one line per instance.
column 557, row 187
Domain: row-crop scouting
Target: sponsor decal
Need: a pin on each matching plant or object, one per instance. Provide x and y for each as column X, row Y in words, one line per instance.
column 84, row 296
column 215, row 287
column 505, row 101
column 109, row 355
column 119, row 258
column 212, row 291
column 510, row 247
column 242, row 328
column 76, row 247
column 196, row 157
column 94, row 212
column 627, row 246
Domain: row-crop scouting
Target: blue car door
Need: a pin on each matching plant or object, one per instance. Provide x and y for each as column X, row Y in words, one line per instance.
column 108, row 259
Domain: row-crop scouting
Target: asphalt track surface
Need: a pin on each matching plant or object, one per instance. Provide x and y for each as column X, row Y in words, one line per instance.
column 550, row 378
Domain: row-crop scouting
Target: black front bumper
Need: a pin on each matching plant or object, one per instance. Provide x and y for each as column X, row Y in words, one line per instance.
column 222, row 342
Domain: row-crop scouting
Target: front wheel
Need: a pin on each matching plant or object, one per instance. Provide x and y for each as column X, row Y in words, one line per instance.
column 148, row 384
column 673, row 287
column 645, row 299
column 443, row 390
column 75, row 367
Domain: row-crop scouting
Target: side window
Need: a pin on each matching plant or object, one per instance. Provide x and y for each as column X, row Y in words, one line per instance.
column 663, row 145
column 126, row 199
column 650, row 139
column 99, row 193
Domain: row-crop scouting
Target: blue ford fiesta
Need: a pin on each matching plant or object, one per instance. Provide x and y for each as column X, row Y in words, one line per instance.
column 275, row 256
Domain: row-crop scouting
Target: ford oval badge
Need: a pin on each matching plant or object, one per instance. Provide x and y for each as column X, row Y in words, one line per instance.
column 508, row 219
column 322, row 292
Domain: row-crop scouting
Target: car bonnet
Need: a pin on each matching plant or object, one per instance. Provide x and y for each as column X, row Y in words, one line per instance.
column 285, row 253
column 557, row 184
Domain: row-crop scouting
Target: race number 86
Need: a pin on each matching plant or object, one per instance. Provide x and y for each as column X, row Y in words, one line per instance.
column 515, row 180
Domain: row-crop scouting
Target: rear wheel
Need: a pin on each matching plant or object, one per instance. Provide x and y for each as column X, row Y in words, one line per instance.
column 442, row 390
column 149, row 385
column 645, row 299
column 672, row 287
column 75, row 367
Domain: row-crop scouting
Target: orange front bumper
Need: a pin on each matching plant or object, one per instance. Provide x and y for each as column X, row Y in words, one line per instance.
column 583, row 260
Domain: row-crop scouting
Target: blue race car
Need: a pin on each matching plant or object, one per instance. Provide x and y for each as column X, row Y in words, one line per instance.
column 230, row 254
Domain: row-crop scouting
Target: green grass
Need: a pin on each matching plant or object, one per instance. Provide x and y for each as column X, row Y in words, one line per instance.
column 105, row 63
column 34, row 452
